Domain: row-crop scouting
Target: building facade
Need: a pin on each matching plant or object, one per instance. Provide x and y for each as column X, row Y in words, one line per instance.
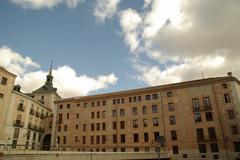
column 26, row 118
column 194, row 119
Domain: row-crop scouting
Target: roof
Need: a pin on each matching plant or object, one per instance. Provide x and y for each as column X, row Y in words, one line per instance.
column 166, row 87
column 3, row 69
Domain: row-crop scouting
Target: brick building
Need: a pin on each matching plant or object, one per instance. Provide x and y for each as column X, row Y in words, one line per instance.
column 198, row 118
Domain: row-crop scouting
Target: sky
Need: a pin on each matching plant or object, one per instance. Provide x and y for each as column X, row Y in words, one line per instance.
column 100, row 46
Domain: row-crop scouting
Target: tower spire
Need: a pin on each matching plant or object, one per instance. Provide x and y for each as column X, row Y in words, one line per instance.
column 49, row 76
column 50, row 71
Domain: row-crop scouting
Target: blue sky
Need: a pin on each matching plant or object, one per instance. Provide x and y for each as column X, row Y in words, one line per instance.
column 127, row 42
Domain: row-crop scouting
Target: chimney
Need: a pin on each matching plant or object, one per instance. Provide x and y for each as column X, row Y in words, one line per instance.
column 229, row 74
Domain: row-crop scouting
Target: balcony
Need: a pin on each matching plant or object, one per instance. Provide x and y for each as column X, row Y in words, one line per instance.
column 37, row 114
column 32, row 112
column 18, row 123
column 40, row 129
column 32, row 127
column 203, row 139
column 201, row 108
column 42, row 116
column 20, row 107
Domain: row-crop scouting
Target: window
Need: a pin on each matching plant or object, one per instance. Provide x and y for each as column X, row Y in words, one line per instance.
column 60, row 106
column 135, row 124
column 98, row 126
column 65, row 128
column 98, row 139
column 122, row 124
column 155, row 96
column 135, row 138
column 118, row 101
column 114, row 138
column 214, row 147
column 98, row 103
column 145, row 137
column 78, row 104
column 224, row 85
column 122, row 112
column 114, row 125
column 134, row 111
column 93, row 104
column 68, row 105
column 227, row 98
column 103, row 114
column 236, row 146
column 16, row 132
column 76, row 139
column 209, row 116
column 114, row 101
column 92, row 139
column 67, row 115
column 134, row 99
column 76, row 126
column 234, row 130
column 144, row 109
column 103, row 126
column 114, row 113
column 130, row 99
column 145, row 123
column 122, row 138
column 156, row 136
column 174, row 135
column 84, row 127
column 92, row 127
column 200, row 134
column 64, row 140
column 202, row 148
column 206, row 102
column 197, row 117
column 147, row 97
column 4, row 81
column 212, row 133
column 169, row 94
column 122, row 100
column 231, row 114
column 139, row 98
column 103, row 139
column 175, row 149
column 170, row 107
column 98, row 114
column 85, row 105
column 155, row 121
column 77, row 115
column 1, row 96
column 195, row 104
column 103, row 103
column 154, row 108
column 136, row 149
column 92, row 115
column 122, row 149
column 84, row 139
column 172, row 120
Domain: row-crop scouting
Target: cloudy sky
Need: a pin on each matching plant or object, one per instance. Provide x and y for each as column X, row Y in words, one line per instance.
column 102, row 46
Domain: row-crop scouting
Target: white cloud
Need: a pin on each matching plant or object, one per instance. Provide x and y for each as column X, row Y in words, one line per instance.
column 15, row 62
column 65, row 78
column 40, row 4
column 105, row 9
column 179, row 36
column 130, row 21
